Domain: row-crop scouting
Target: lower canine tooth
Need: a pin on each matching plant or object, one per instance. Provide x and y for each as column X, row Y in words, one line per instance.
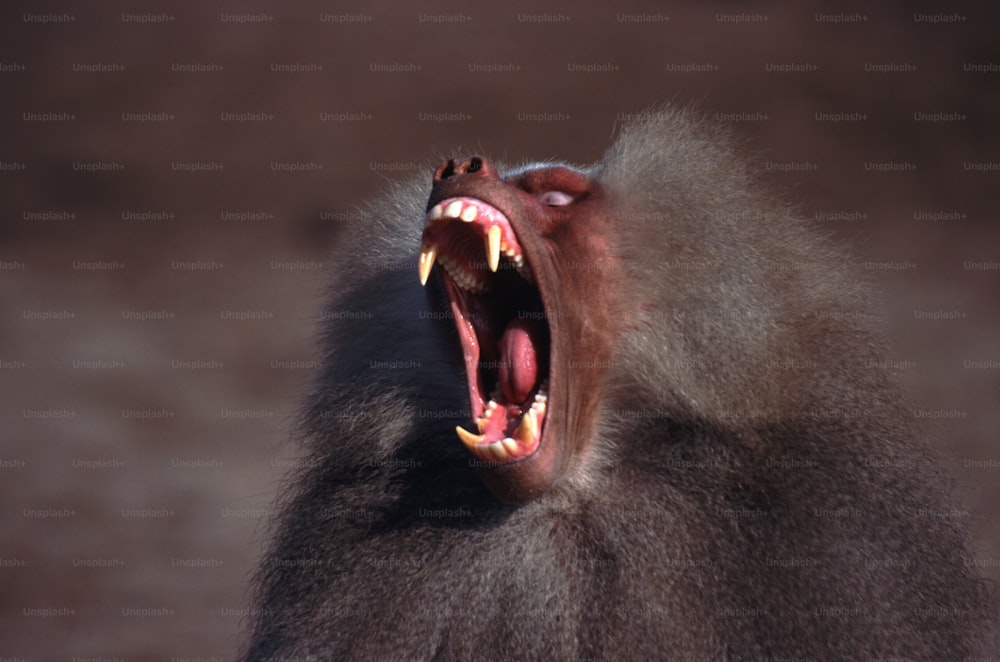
column 469, row 439
column 527, row 431
column 510, row 445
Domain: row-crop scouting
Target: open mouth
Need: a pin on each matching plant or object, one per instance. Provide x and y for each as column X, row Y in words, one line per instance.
column 501, row 324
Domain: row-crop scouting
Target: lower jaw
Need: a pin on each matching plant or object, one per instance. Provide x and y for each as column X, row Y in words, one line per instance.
column 521, row 443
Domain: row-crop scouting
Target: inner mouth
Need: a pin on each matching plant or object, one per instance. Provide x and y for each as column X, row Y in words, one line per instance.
column 501, row 324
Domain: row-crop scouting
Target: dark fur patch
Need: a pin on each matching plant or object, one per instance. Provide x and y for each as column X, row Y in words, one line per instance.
column 753, row 491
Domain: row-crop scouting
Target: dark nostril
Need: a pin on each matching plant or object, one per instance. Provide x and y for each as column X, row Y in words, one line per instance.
column 475, row 165
column 445, row 170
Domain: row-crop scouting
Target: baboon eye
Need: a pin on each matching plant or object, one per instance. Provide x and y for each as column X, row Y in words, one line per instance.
column 555, row 198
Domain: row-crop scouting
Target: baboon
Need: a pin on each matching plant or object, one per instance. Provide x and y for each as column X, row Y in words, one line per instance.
column 625, row 411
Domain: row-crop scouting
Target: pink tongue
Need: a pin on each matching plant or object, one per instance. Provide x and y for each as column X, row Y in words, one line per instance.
column 519, row 359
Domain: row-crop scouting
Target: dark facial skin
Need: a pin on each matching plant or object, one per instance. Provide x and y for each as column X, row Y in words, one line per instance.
column 690, row 455
column 563, row 236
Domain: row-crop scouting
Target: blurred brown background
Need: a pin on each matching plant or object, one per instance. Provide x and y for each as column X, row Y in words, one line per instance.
column 172, row 176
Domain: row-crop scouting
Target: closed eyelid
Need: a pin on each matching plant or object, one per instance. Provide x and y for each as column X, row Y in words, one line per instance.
column 555, row 198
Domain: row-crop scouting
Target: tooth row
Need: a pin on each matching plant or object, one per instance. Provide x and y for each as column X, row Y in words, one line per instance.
column 493, row 241
column 541, row 397
column 465, row 280
column 537, row 405
column 498, row 451
column 454, row 210
column 507, row 448
column 490, row 406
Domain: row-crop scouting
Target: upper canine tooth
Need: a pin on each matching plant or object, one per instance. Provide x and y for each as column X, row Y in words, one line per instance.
column 436, row 212
column 454, row 209
column 469, row 214
column 427, row 257
column 493, row 246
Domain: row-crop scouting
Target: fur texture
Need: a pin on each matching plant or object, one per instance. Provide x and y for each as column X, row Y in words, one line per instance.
column 751, row 489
